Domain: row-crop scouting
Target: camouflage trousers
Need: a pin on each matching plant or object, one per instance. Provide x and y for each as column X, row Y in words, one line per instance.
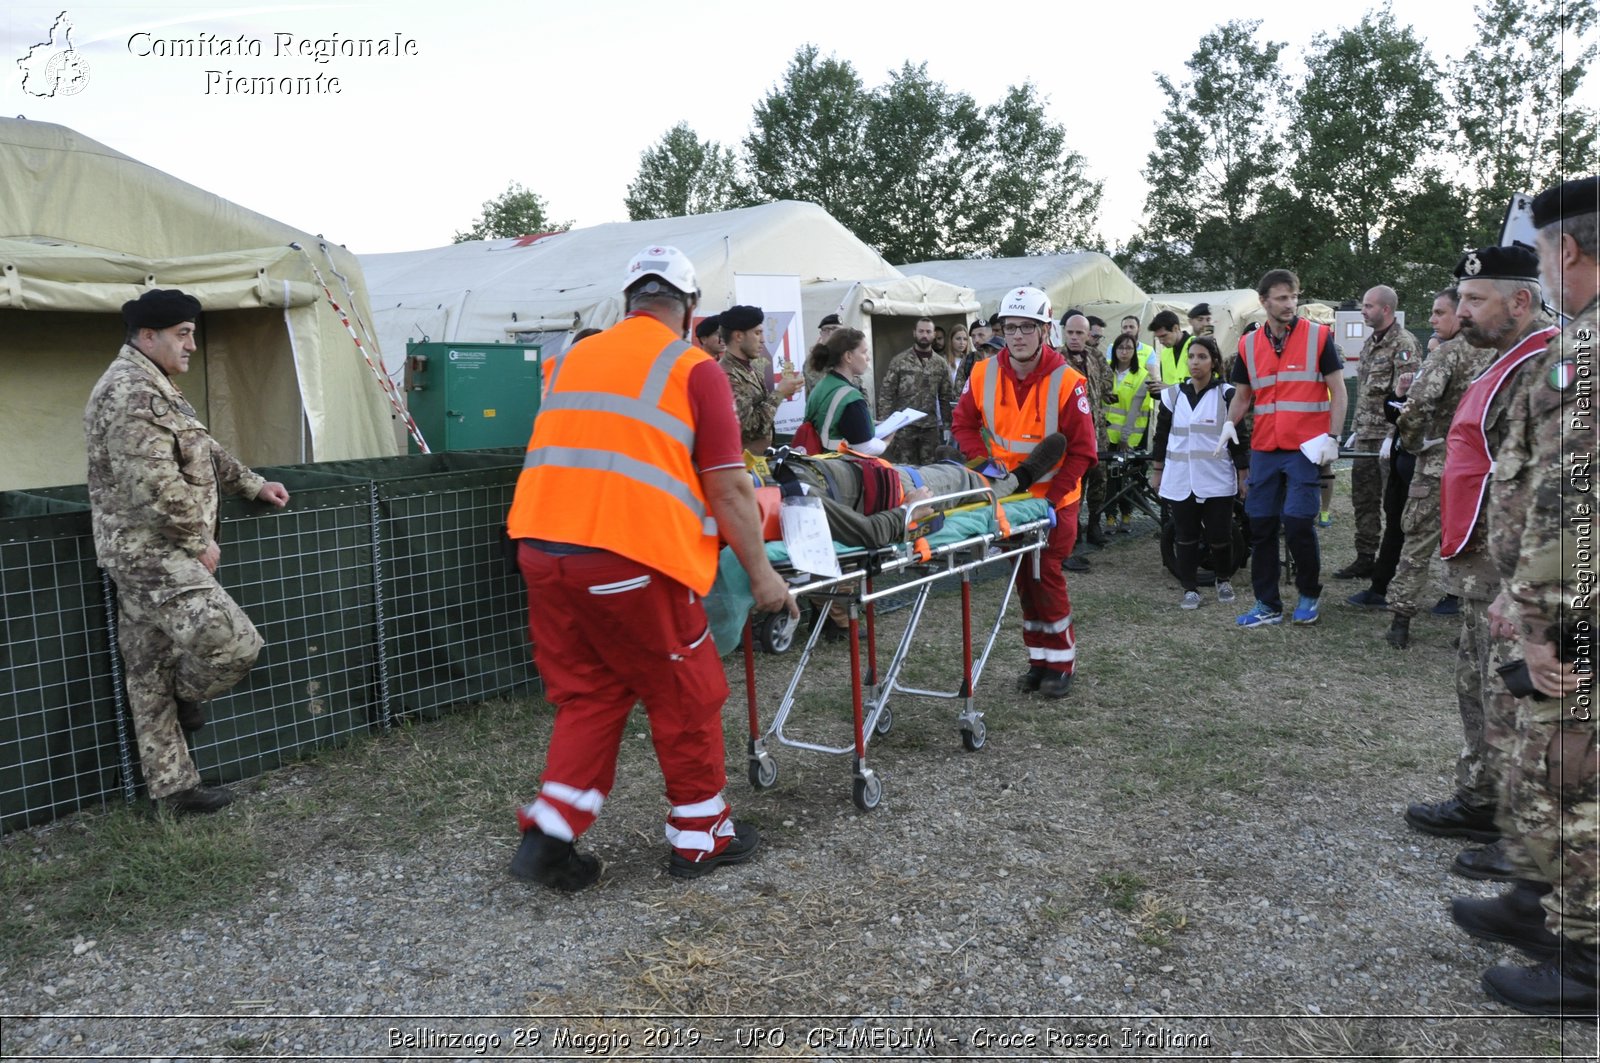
column 1094, row 492
column 914, row 445
column 193, row 646
column 1549, row 806
column 1366, row 494
column 1420, row 523
column 1488, row 713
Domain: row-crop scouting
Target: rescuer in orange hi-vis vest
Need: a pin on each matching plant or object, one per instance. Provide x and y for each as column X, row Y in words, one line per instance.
column 633, row 470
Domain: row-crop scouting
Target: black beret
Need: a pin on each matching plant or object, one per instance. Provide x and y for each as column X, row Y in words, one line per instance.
column 1498, row 264
column 707, row 326
column 1199, row 310
column 831, row 319
column 160, row 308
column 1566, row 200
column 742, row 318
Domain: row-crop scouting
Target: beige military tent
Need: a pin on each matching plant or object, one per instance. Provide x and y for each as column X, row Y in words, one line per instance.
column 1086, row 280
column 84, row 228
column 542, row 288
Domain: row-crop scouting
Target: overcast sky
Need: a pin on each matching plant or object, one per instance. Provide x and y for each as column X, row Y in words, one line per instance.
column 564, row 97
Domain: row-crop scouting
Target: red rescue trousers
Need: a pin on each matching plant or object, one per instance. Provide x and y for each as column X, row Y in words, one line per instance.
column 607, row 633
column 1046, row 609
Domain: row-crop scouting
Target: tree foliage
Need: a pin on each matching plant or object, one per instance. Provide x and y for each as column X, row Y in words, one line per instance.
column 1518, row 121
column 1368, row 120
column 682, row 174
column 910, row 168
column 1217, row 151
column 515, row 212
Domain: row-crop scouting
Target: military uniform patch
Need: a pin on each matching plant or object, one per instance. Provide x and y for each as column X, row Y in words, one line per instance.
column 1562, row 374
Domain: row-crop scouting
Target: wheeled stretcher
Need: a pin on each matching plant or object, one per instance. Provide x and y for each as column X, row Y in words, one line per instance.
column 988, row 531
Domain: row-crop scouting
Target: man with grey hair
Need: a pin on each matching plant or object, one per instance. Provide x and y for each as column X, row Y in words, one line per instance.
column 1540, row 515
column 1389, row 353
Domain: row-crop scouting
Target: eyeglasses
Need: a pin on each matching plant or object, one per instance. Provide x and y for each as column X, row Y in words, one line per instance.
column 1027, row 328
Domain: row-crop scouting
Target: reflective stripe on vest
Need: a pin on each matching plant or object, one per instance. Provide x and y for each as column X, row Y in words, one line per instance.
column 1468, row 463
column 1192, row 465
column 1289, row 395
column 610, row 462
column 1116, row 411
column 1009, row 452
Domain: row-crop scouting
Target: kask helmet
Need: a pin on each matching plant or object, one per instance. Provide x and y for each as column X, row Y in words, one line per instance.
column 668, row 265
column 1030, row 303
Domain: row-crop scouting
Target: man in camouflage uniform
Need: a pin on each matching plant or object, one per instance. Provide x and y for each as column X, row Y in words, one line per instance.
column 748, row 368
column 154, row 474
column 918, row 378
column 1430, row 404
column 1102, row 386
column 1541, row 517
column 1389, row 352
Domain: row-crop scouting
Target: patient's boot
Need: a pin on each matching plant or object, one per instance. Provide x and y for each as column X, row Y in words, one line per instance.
column 1047, row 454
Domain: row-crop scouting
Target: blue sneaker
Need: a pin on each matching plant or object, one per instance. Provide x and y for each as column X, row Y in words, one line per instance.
column 1260, row 616
column 1306, row 611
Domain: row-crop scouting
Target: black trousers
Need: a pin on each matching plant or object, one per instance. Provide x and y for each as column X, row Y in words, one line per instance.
column 1189, row 517
column 1401, row 465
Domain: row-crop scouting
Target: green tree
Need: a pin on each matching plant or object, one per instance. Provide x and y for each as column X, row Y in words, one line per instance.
column 1038, row 201
column 1217, row 150
column 806, row 136
column 515, row 212
column 1517, row 117
column 919, row 181
column 1368, row 121
column 680, row 175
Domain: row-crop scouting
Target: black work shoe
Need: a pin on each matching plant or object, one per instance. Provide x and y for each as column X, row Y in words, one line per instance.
column 1029, row 681
column 1095, row 533
column 1075, row 563
column 1368, row 599
column 1399, row 633
column 1489, row 863
column 197, row 800
column 741, row 847
column 553, row 862
column 1056, row 684
column 1449, row 605
column 1360, row 568
column 1564, row 985
column 1451, row 818
column 1514, row 918
column 1046, row 455
column 191, row 715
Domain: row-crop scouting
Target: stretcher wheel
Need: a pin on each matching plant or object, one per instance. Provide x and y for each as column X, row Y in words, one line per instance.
column 974, row 735
column 775, row 632
column 885, row 721
column 867, row 792
column 763, row 772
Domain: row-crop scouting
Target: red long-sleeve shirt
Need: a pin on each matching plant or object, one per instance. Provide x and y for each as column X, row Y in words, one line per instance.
column 1076, row 420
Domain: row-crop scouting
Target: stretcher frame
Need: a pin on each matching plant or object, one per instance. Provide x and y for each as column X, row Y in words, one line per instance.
column 870, row 692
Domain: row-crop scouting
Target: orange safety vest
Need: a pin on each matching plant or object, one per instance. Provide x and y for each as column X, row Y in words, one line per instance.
column 610, row 463
column 1012, row 430
column 1290, row 396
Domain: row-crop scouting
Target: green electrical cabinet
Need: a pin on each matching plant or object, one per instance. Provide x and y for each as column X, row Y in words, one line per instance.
column 472, row 396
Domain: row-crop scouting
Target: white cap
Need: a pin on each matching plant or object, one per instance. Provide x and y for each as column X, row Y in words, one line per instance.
column 1030, row 303
column 667, row 263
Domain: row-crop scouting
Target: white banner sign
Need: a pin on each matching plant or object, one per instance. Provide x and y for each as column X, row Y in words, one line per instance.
column 778, row 296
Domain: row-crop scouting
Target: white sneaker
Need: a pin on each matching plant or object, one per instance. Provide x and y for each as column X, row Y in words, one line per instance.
column 1191, row 600
column 1224, row 591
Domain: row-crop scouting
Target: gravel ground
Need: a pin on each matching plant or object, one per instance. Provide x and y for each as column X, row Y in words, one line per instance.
column 1049, row 896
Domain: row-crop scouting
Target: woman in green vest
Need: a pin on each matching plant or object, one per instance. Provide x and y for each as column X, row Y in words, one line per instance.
column 835, row 409
column 1131, row 402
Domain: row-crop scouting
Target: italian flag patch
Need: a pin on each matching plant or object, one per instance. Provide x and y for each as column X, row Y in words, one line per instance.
column 1562, row 374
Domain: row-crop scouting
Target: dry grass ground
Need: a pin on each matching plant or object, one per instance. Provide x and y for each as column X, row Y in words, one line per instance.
column 1203, row 841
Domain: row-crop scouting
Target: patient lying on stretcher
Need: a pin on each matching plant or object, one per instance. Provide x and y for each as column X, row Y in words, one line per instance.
column 866, row 498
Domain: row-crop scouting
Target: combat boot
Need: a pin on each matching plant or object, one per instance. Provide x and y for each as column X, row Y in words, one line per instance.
column 1399, row 633
column 1514, row 918
column 1454, row 818
column 1029, row 681
column 1360, row 568
column 1490, row 863
column 1567, row 984
column 553, row 862
column 1046, row 455
column 191, row 715
column 197, row 800
column 1095, row 533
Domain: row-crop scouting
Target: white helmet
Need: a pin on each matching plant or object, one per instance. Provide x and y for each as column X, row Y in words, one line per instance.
column 1030, row 303
column 667, row 263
